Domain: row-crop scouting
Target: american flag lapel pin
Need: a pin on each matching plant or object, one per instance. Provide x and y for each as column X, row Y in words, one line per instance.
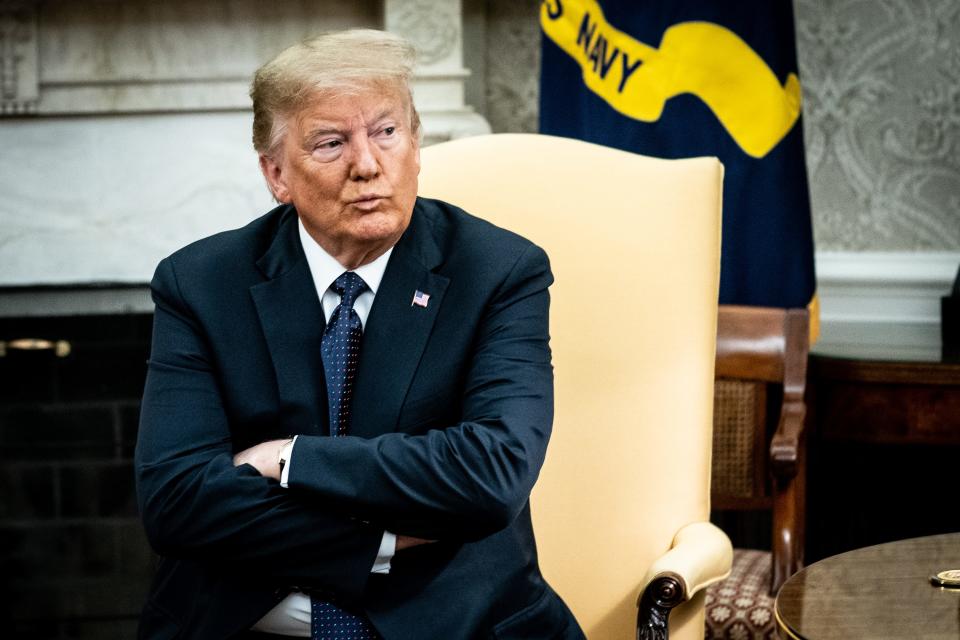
column 420, row 299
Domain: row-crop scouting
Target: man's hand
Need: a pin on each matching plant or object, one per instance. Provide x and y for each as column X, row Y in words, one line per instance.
column 265, row 458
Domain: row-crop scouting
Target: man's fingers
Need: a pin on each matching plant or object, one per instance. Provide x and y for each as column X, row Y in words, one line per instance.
column 264, row 457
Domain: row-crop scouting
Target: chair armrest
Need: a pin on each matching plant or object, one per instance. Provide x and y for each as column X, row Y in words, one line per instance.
column 788, row 438
column 785, row 444
column 700, row 555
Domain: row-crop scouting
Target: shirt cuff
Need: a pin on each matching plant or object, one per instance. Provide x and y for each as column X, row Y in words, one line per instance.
column 388, row 547
column 285, row 474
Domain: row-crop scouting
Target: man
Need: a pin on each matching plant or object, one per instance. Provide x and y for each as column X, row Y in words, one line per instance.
column 349, row 399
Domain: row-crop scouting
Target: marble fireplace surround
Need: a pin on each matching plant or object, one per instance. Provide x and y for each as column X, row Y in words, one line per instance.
column 125, row 130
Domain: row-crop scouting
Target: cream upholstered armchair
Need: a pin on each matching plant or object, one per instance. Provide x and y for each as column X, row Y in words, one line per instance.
column 621, row 508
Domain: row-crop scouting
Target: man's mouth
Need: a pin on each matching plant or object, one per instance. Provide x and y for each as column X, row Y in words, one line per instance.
column 368, row 201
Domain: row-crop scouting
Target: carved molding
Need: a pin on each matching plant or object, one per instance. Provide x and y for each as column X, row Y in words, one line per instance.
column 19, row 76
column 141, row 56
column 433, row 26
column 882, row 304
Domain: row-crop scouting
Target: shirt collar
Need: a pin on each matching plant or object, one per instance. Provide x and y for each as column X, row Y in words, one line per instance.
column 325, row 269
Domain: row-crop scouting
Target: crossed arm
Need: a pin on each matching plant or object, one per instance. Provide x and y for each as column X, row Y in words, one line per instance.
column 265, row 458
column 459, row 483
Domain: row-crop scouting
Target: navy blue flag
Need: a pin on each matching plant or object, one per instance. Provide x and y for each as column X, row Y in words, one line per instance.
column 682, row 78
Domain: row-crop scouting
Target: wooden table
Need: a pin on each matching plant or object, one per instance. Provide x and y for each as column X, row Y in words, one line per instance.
column 891, row 402
column 876, row 592
column 883, row 446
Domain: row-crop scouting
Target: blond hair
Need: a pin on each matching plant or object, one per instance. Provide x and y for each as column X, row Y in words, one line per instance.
column 331, row 63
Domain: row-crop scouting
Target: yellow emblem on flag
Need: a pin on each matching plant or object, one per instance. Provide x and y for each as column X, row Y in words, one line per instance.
column 700, row 58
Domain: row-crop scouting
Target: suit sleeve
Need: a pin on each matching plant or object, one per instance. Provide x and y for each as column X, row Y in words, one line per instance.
column 195, row 504
column 473, row 478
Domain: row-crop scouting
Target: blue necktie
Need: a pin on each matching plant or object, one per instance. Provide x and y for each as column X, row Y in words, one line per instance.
column 340, row 351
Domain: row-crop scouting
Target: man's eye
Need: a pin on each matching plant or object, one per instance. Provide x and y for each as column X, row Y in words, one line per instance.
column 329, row 144
column 389, row 130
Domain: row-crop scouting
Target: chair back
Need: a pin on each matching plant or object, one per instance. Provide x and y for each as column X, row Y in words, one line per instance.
column 634, row 244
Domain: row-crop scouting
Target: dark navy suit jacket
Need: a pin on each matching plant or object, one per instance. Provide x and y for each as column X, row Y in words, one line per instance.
column 452, row 411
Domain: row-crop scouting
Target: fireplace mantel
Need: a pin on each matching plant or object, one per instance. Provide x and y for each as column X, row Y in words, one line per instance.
column 125, row 127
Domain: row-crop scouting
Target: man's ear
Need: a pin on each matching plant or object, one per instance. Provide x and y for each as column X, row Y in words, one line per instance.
column 273, row 174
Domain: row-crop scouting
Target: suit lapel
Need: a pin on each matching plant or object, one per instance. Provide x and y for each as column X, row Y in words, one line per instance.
column 396, row 331
column 292, row 322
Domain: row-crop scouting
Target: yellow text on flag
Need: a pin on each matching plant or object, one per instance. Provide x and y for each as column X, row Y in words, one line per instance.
column 704, row 59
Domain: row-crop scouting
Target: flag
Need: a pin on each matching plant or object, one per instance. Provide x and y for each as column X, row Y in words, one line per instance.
column 682, row 78
column 420, row 299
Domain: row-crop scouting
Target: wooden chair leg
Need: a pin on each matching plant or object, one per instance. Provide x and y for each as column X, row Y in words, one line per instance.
column 788, row 518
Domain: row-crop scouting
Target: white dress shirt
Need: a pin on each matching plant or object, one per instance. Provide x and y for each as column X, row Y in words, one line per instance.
column 292, row 616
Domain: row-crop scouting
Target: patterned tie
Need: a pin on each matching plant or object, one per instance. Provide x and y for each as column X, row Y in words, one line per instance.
column 340, row 350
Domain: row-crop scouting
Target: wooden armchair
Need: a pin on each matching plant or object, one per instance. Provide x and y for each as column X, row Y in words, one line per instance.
column 759, row 439
column 622, row 505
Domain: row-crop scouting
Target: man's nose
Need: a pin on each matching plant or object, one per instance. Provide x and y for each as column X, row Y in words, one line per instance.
column 365, row 163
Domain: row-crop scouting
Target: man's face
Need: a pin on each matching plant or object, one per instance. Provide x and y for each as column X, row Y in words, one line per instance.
column 349, row 164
